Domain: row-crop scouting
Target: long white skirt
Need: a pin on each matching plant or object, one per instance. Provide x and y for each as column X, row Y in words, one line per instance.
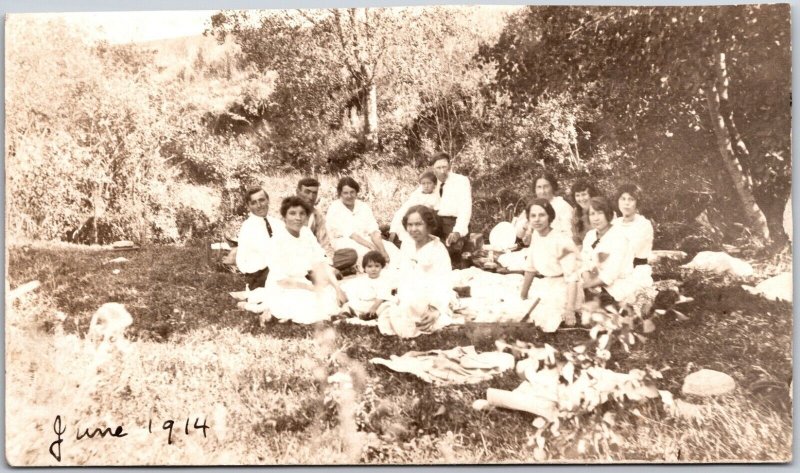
column 552, row 296
column 303, row 306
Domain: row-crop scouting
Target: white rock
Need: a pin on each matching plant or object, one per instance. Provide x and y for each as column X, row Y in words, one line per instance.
column 708, row 383
column 123, row 244
column 720, row 263
column 775, row 288
column 658, row 255
column 121, row 259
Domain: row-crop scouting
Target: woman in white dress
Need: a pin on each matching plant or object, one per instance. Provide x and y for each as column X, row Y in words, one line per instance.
column 424, row 292
column 550, row 271
column 581, row 192
column 637, row 229
column 351, row 224
column 422, row 195
column 607, row 258
column 545, row 187
column 294, row 257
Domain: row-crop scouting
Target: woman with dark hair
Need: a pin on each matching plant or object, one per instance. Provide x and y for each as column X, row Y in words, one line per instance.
column 606, row 256
column 545, row 186
column 636, row 227
column 550, row 270
column 351, row 224
column 294, row 257
column 581, row 192
column 424, row 289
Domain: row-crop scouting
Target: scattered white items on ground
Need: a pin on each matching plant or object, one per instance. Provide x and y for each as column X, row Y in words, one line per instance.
column 720, row 263
column 116, row 271
column 708, row 383
column 121, row 259
column 357, row 321
column 460, row 365
column 123, row 244
column 658, row 255
column 493, row 297
column 239, row 295
column 221, row 246
column 775, row 288
column 547, row 392
column 514, row 260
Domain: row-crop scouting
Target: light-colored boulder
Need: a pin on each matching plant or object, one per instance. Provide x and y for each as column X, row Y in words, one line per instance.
column 778, row 287
column 720, row 263
column 660, row 255
column 708, row 383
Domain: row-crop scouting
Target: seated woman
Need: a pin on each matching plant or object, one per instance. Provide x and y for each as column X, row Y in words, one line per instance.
column 296, row 254
column 550, row 272
column 582, row 191
column 422, row 195
column 636, row 228
column 545, row 186
column 606, row 257
column 351, row 224
column 424, row 289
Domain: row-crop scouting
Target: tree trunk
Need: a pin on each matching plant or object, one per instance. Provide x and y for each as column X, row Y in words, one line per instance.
column 371, row 118
column 741, row 181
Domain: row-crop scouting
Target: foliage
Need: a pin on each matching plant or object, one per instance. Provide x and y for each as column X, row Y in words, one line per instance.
column 647, row 89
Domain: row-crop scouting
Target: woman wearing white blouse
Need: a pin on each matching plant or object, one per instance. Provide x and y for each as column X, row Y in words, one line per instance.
column 545, row 187
column 423, row 292
column 294, row 257
column 637, row 229
column 606, row 256
column 550, row 270
column 351, row 224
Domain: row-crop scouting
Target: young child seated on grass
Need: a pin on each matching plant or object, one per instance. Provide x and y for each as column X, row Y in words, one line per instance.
column 368, row 292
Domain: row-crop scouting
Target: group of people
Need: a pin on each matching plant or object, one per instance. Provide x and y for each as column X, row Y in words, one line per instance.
column 404, row 281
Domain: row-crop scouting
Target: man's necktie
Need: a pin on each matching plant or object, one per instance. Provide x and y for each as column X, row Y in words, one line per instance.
column 594, row 245
column 441, row 189
column 269, row 227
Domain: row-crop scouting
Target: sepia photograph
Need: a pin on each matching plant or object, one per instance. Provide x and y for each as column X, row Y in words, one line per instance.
column 483, row 234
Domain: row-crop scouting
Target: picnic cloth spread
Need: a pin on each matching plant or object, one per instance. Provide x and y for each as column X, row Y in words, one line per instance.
column 460, row 365
column 494, row 297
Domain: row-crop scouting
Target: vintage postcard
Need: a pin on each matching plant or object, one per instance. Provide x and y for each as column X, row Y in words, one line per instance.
column 418, row 235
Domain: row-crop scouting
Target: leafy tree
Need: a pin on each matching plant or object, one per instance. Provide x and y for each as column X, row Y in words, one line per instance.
column 667, row 79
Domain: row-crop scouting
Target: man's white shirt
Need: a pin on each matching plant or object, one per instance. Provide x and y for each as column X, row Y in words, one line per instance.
column 252, row 254
column 456, row 201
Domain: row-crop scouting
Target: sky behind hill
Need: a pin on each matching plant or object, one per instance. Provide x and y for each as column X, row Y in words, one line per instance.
column 143, row 26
